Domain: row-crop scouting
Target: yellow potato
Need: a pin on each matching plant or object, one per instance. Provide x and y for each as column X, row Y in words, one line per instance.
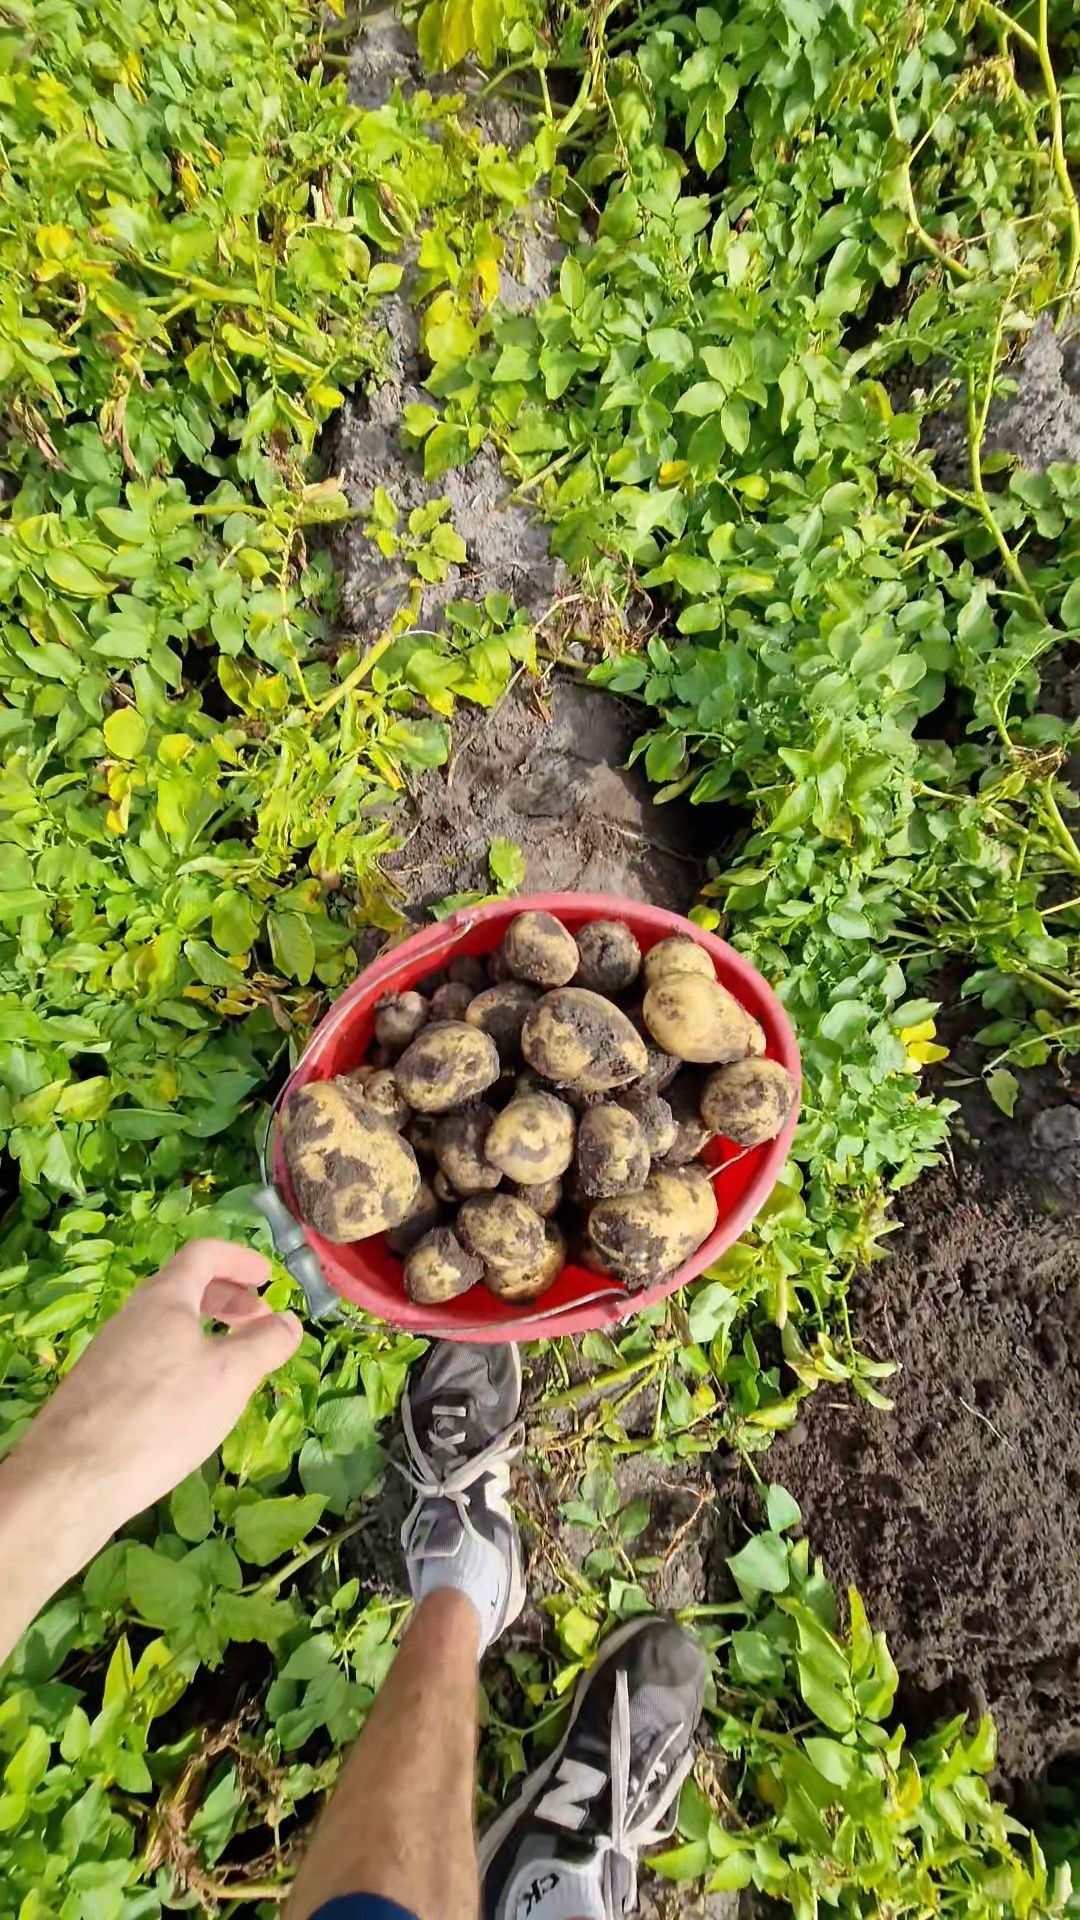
column 528, row 1283
column 612, row 1152
column 382, row 1093
column 398, row 1019
column 537, row 947
column 351, row 1173
column 460, row 1148
column 501, row 1231
column 500, row 1011
column 748, row 1101
column 532, row 1139
column 438, row 1268
column 609, row 957
column 691, row 1132
column 424, row 1214
column 643, row 1237
column 580, row 1041
column 697, row 1019
column 653, row 1115
column 451, row 1001
column 445, row 1066
column 678, row 954
column 545, row 1197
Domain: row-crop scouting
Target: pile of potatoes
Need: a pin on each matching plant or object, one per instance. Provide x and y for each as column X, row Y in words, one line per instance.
column 552, row 1104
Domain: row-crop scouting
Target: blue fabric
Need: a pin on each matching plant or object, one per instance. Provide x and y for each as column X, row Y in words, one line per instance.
column 362, row 1906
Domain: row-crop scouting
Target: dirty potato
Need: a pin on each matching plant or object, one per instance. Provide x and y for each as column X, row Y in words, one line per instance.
column 539, row 948
column 468, row 971
column 691, row 1131
column 697, row 1019
column 612, row 1152
column 351, row 1173
column 424, row 1214
column 451, row 1001
column 653, row 1115
column 501, row 1231
column 447, row 1065
column 459, row 1148
column 420, row 1134
column 444, row 1189
column 609, row 957
column 578, row 1040
column 543, row 1196
column 643, row 1237
column 527, row 1283
column 532, row 1139
column 438, row 1268
column 679, row 954
column 383, row 1094
column 748, row 1101
column 398, row 1019
column 501, row 1011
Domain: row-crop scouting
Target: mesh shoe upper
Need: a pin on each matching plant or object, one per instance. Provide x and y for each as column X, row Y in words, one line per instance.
column 611, row 1786
column 460, row 1419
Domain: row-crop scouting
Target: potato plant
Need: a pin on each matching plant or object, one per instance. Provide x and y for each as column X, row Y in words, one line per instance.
column 796, row 217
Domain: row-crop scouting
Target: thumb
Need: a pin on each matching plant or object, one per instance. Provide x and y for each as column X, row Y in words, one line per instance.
column 265, row 1343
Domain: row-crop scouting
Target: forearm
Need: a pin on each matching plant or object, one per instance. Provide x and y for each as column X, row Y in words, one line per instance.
column 52, row 1521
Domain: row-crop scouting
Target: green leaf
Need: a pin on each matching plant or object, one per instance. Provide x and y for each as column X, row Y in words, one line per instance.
column 125, row 733
column 268, row 1528
column 682, row 1863
column 190, row 1508
column 762, row 1565
column 163, row 1592
column 704, row 397
column 235, row 921
column 1004, row 1089
column 292, row 945
column 782, row 1509
column 506, row 865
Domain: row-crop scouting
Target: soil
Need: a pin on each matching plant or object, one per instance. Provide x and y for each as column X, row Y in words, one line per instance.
column 1039, row 424
column 958, row 1516
column 546, row 769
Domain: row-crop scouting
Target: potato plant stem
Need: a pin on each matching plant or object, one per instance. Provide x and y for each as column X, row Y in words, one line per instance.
column 584, row 1389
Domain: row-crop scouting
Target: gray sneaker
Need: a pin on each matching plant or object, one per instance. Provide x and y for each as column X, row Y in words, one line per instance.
column 610, row 1788
column 460, row 1414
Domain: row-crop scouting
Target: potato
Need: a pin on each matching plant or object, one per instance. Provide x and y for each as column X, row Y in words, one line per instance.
column 468, row 971
column 532, row 1139
column 420, row 1134
column 539, row 948
column 654, row 1116
column 351, row 1173
column 398, row 1019
column 424, row 1214
column 609, row 957
column 758, row 1042
column 577, row 1039
column 438, row 1268
column 545, row 1197
column 445, row 1066
column 748, row 1101
column 691, row 1131
column 459, row 1148
column 527, row 1283
column 451, row 1002
column 501, row 1011
column 358, row 1076
column 444, row 1189
column 660, row 1067
column 679, row 954
column 501, row 1231
column 498, row 968
column 612, row 1152
column 384, row 1096
column 643, row 1237
column 697, row 1019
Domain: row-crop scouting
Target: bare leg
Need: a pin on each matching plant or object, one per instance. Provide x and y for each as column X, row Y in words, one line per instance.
column 400, row 1820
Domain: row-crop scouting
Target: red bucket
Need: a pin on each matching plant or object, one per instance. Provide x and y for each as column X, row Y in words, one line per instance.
column 369, row 1275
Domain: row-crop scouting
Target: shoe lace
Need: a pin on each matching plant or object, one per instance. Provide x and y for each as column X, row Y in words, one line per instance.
column 454, row 1480
column 631, row 1832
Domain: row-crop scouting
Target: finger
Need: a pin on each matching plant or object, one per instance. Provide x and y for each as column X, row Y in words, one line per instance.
column 230, row 1303
column 264, row 1344
column 189, row 1273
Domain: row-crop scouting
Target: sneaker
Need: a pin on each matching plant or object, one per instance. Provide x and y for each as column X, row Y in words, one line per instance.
column 460, row 1414
column 571, row 1841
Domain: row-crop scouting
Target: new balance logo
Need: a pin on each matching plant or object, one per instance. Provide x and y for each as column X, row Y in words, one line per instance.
column 566, row 1803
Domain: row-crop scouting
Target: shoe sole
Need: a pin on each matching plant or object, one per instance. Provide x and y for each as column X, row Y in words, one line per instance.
column 538, row 1779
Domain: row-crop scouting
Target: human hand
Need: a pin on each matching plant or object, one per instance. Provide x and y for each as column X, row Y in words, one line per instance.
column 147, row 1403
